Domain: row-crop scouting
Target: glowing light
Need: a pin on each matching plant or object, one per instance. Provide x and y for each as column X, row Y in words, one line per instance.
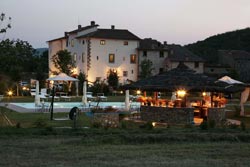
column 181, row 93
column 121, row 92
column 204, row 93
column 138, row 92
column 10, row 93
column 154, row 124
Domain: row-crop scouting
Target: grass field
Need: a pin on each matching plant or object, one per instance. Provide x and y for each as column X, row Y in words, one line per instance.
column 34, row 140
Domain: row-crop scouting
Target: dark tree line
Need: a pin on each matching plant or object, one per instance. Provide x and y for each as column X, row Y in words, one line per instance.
column 208, row 48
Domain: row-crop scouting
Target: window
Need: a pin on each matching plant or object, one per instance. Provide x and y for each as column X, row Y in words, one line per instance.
column 196, row 64
column 83, row 42
column 132, row 71
column 102, row 42
column 83, row 57
column 161, row 54
column 74, row 57
column 124, row 58
column 125, row 43
column 72, row 42
column 97, row 58
column 111, row 58
column 144, row 54
column 125, row 73
column 161, row 70
column 133, row 59
column 98, row 78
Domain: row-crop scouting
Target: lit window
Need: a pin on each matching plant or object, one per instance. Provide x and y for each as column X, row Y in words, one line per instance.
column 102, row 42
column 133, row 59
column 111, row 58
column 72, row 42
column 125, row 73
column 144, row 53
column 125, row 43
column 161, row 54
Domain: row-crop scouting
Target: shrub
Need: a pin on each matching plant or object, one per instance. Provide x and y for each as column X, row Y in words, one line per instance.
column 18, row 125
column 204, row 125
column 211, row 123
column 96, row 124
column 243, row 126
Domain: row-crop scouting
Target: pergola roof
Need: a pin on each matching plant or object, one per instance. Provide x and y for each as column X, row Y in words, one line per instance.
column 181, row 77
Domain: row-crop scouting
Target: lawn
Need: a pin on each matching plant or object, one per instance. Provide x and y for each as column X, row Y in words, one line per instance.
column 34, row 140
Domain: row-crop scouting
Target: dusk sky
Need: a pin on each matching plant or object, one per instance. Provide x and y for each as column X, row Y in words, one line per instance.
column 175, row 21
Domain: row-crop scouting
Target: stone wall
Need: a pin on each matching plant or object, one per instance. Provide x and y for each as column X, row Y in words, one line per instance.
column 107, row 119
column 168, row 115
column 216, row 114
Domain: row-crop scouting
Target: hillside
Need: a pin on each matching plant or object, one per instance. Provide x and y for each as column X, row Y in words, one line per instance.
column 234, row 40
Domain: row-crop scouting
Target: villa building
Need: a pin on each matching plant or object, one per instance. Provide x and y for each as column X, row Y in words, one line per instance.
column 165, row 57
column 95, row 51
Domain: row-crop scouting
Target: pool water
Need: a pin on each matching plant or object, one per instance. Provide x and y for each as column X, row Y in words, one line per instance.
column 66, row 106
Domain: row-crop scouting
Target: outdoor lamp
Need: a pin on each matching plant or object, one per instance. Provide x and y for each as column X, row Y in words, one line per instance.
column 181, row 93
column 138, row 92
column 204, row 94
column 10, row 93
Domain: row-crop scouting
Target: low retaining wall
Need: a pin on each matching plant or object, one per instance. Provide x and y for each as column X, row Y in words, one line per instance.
column 107, row 119
column 216, row 114
column 168, row 115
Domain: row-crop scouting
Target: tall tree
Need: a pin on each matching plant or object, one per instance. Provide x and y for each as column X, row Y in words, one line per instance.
column 146, row 68
column 113, row 79
column 6, row 26
column 63, row 62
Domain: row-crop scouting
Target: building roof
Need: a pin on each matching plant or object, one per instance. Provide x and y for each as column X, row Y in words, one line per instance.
column 111, row 34
column 148, row 44
column 56, row 39
column 235, row 54
column 181, row 77
column 181, row 54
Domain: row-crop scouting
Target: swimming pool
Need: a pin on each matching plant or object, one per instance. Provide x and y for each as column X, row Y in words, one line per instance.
column 66, row 106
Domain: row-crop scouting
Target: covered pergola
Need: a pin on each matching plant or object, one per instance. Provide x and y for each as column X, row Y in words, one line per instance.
column 187, row 80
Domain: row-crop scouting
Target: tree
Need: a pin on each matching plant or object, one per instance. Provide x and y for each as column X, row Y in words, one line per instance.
column 113, row 79
column 16, row 56
column 63, row 62
column 5, row 26
column 146, row 68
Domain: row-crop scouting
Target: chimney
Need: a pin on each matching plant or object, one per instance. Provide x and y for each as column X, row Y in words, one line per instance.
column 66, row 34
column 79, row 27
column 112, row 27
column 92, row 23
column 165, row 43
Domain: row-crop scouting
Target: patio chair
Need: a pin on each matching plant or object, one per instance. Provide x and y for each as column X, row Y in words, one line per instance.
column 66, row 98
column 33, row 92
column 102, row 97
column 90, row 96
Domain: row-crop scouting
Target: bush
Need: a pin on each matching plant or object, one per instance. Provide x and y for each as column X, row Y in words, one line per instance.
column 243, row 126
column 18, row 125
column 204, row 125
column 211, row 123
column 96, row 124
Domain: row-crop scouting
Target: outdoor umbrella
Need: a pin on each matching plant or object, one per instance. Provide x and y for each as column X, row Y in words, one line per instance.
column 37, row 97
column 62, row 77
